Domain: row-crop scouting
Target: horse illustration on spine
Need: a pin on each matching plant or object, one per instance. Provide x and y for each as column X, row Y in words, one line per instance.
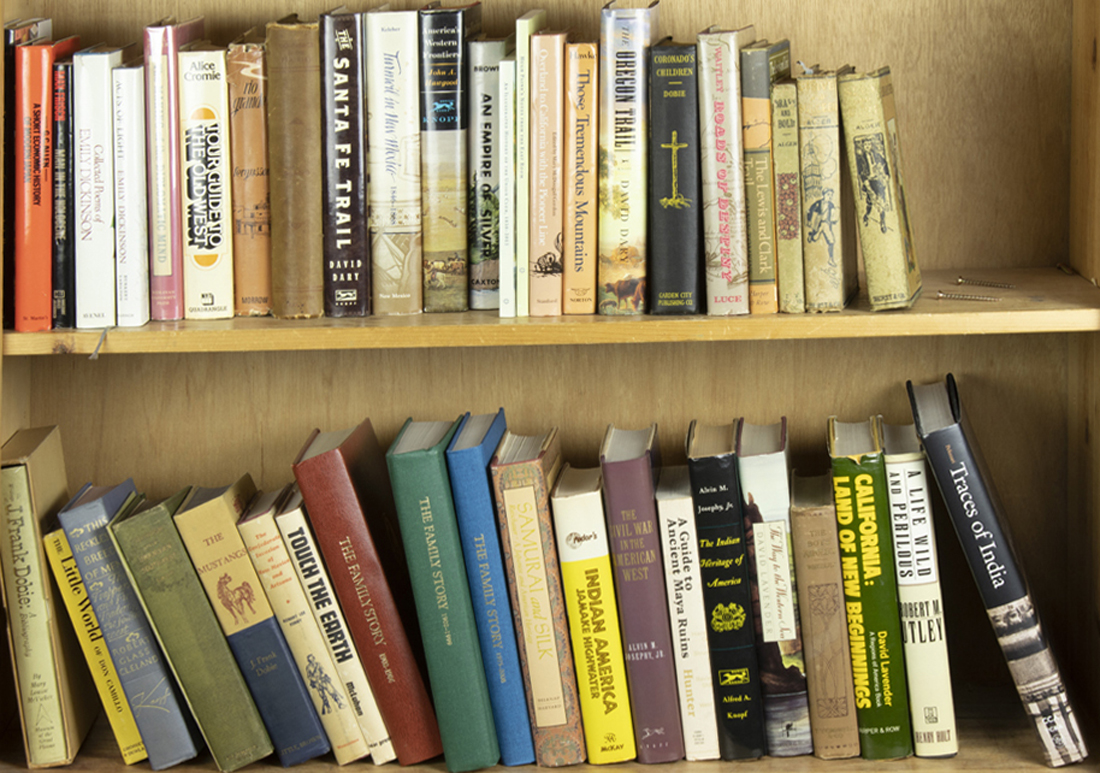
column 236, row 599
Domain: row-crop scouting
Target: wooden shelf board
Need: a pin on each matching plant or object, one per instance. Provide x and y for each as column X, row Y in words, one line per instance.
column 1044, row 300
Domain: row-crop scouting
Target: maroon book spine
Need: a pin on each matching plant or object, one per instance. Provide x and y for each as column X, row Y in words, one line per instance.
column 350, row 506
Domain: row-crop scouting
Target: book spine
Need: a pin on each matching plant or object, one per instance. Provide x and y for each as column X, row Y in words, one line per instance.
column 294, row 158
column 64, row 220
column 931, row 704
column 788, row 198
column 727, row 597
column 131, row 206
column 725, row 239
column 393, row 134
column 675, row 194
column 643, row 604
column 546, row 165
column 625, row 33
column 92, row 642
column 870, row 595
column 582, row 88
column 246, row 77
column 526, row 26
column 483, row 141
column 344, row 125
column 506, row 150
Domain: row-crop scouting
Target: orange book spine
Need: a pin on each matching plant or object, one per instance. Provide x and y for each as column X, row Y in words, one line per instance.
column 547, row 193
column 579, row 232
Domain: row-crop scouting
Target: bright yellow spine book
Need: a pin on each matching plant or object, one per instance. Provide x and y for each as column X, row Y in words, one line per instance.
column 90, row 636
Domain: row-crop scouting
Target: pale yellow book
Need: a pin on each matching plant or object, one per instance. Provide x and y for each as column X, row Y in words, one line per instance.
column 526, row 25
column 788, row 197
column 579, row 234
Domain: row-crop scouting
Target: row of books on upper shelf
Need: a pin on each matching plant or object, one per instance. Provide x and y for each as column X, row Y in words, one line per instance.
column 393, row 162
column 469, row 593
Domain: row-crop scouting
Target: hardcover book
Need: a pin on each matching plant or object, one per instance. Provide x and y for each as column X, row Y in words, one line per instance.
column 524, row 470
column 631, row 464
column 131, row 201
column 582, row 89
column 506, row 159
column 786, row 164
column 931, row 703
column 64, row 202
column 349, row 501
column 468, row 458
column 588, row 581
column 824, row 629
column 687, row 613
column 727, row 594
column 722, row 169
column 981, row 524
column 870, row 588
column 162, row 575
column 675, row 194
column 626, row 31
column 526, row 26
column 393, row 136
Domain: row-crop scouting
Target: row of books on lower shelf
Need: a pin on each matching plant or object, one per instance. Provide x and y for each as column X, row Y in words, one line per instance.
column 469, row 593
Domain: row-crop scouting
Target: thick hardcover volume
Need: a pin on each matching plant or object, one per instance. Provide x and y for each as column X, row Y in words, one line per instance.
column 878, row 188
column 582, row 84
column 33, row 205
column 763, row 465
column 762, row 64
column 162, row 42
column 828, row 236
column 246, row 74
column 64, row 201
column 54, row 691
column 344, row 153
column 727, row 594
column 207, row 524
column 870, row 589
column 483, row 142
column 429, row 529
column 786, row 165
column 468, row 458
column 722, row 169
column 625, row 34
column 444, row 116
column 325, row 608
column 159, row 708
column 526, row 26
column 102, row 667
column 506, row 159
column 524, row 469
column 294, row 161
column 824, row 628
column 271, row 558
column 687, row 613
column 982, row 527
column 931, row 704
column 630, row 460
column 346, row 488
column 675, row 192
column 393, row 135
column 180, row 614
column 589, row 585
column 131, row 202
column 205, row 172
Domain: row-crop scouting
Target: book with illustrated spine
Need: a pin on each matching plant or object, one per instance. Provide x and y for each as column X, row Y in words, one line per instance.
column 787, row 163
column 526, row 26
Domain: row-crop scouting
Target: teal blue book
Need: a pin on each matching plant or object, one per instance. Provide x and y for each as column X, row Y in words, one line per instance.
column 429, row 531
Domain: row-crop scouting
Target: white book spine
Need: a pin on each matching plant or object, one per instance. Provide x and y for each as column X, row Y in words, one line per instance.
column 131, row 233
column 207, row 209
column 526, row 25
column 506, row 148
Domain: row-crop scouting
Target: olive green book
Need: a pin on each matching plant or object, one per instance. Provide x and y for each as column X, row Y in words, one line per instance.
column 870, row 588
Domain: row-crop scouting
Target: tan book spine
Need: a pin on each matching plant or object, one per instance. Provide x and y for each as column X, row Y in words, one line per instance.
column 547, row 192
column 788, row 198
column 579, row 231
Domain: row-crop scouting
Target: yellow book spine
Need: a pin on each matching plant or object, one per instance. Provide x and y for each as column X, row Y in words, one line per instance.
column 92, row 643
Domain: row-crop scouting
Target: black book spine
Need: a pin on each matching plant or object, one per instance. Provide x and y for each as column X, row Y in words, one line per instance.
column 675, row 189
column 727, row 600
column 64, row 244
column 345, row 225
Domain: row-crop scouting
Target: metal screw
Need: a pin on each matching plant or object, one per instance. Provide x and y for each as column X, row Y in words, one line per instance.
column 942, row 296
column 962, row 280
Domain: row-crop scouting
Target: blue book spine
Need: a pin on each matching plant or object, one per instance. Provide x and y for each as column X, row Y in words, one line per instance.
column 167, row 728
column 480, row 540
column 280, row 694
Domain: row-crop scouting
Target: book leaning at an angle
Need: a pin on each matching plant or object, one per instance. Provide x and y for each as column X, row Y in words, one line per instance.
column 588, row 581
column 162, row 575
column 931, row 704
column 631, row 464
column 468, row 458
column 582, row 84
column 786, row 165
column 506, row 155
column 526, row 26
column 64, row 197
column 131, row 201
column 981, row 524
column 687, row 613
column 524, row 470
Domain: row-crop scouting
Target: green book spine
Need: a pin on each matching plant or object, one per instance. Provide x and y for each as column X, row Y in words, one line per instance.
column 870, row 595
